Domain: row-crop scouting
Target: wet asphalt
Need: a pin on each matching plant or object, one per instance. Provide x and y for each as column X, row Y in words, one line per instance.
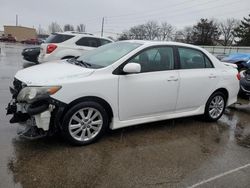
column 172, row 153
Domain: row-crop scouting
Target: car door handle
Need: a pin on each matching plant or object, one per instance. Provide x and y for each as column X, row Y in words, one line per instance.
column 211, row 76
column 172, row 78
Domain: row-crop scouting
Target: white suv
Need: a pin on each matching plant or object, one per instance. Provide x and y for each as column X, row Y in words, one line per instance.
column 68, row 45
column 121, row 84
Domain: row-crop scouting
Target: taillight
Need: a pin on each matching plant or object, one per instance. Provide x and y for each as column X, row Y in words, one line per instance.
column 51, row 48
column 238, row 76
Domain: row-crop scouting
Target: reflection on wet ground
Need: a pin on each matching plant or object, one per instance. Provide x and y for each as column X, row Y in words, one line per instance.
column 173, row 153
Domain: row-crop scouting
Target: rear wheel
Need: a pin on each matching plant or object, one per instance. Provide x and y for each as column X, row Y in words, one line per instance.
column 84, row 123
column 215, row 106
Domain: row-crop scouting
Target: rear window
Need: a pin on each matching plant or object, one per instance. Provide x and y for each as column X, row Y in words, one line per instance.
column 58, row 38
column 104, row 41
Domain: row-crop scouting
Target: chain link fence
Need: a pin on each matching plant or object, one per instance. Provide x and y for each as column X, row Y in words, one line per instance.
column 224, row 50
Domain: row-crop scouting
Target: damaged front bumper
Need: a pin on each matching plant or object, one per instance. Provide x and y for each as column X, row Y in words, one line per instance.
column 41, row 116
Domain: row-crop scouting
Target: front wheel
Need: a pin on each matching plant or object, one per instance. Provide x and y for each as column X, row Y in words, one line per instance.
column 215, row 106
column 84, row 123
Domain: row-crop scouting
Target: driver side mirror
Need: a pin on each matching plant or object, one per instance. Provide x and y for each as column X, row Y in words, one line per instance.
column 131, row 68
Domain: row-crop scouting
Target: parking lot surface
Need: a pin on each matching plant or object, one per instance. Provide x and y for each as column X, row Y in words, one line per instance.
column 184, row 152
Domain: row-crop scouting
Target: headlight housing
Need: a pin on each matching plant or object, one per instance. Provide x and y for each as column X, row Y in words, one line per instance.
column 28, row 94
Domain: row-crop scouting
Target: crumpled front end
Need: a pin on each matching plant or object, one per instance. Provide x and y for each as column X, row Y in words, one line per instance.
column 35, row 107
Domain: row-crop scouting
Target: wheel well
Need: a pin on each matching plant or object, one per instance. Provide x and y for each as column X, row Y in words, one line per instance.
column 67, row 57
column 101, row 101
column 224, row 91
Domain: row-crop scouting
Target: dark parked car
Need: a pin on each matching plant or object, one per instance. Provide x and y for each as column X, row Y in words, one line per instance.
column 245, row 83
column 242, row 60
column 31, row 54
column 31, row 41
column 8, row 38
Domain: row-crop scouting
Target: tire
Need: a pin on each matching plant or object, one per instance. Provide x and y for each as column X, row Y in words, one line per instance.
column 242, row 94
column 85, row 123
column 213, row 115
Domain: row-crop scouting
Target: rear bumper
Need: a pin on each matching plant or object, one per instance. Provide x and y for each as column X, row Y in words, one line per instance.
column 42, row 58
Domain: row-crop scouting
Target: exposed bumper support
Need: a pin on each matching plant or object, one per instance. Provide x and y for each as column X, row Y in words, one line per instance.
column 40, row 111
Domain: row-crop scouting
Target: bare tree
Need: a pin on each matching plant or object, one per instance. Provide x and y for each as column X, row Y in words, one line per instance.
column 54, row 27
column 226, row 29
column 147, row 31
column 166, row 31
column 184, row 35
column 137, row 32
column 81, row 28
column 124, row 36
column 151, row 30
column 40, row 30
column 68, row 27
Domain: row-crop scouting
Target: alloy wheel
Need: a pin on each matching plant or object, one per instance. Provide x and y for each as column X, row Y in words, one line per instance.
column 85, row 124
column 216, row 106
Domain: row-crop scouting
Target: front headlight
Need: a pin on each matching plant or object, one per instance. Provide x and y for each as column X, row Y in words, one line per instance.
column 30, row 93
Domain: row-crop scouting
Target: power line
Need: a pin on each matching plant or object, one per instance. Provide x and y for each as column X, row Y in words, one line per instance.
column 227, row 12
column 138, row 13
column 152, row 10
column 148, row 12
column 177, row 16
column 175, row 12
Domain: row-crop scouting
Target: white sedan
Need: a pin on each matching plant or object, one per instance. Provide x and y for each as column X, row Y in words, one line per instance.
column 119, row 85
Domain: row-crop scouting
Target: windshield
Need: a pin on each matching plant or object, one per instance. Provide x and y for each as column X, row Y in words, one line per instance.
column 108, row 54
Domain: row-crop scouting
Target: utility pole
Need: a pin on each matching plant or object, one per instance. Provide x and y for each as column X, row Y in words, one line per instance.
column 102, row 26
column 16, row 20
column 39, row 29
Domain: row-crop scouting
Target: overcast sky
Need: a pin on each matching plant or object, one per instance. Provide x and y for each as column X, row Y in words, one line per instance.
column 119, row 15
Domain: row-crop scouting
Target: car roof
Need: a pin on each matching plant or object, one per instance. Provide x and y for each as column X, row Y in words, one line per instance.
column 149, row 43
column 81, row 34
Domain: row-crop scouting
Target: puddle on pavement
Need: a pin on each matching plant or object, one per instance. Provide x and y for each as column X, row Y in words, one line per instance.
column 140, row 155
column 238, row 120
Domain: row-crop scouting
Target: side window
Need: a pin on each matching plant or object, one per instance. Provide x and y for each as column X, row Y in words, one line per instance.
column 88, row 41
column 155, row 59
column 208, row 63
column 193, row 59
column 104, row 41
column 58, row 38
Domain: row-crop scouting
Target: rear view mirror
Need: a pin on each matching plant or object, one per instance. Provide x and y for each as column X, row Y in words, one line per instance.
column 132, row 68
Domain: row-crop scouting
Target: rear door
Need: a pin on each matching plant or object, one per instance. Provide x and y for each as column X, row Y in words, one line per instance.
column 198, row 79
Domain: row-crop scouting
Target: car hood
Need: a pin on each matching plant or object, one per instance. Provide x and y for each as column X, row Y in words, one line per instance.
column 51, row 73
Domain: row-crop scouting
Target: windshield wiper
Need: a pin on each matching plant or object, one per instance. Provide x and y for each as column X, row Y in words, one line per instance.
column 86, row 64
column 79, row 62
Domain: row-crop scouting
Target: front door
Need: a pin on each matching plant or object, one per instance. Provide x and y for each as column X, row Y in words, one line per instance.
column 154, row 90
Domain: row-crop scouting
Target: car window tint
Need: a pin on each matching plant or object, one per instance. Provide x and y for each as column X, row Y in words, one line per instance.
column 88, row 41
column 58, row 38
column 104, row 41
column 208, row 63
column 155, row 59
column 193, row 59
